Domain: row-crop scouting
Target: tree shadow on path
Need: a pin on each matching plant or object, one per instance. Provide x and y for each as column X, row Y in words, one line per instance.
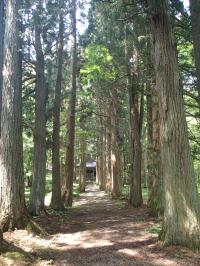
column 103, row 231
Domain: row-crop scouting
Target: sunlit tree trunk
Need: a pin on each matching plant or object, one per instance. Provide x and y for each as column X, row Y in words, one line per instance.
column 104, row 155
column 108, row 156
column 56, row 200
column 135, row 125
column 101, row 145
column 1, row 52
column 136, row 131
column 97, row 167
column 37, row 195
column 101, row 154
column 195, row 20
column 12, row 202
column 68, row 195
column 181, row 223
column 115, row 151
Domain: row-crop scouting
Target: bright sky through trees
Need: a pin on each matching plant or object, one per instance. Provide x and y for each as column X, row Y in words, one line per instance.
column 186, row 3
column 83, row 23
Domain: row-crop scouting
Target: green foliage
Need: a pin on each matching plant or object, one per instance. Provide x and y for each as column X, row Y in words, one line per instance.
column 98, row 64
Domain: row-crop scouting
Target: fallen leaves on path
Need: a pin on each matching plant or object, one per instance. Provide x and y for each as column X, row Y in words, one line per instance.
column 97, row 231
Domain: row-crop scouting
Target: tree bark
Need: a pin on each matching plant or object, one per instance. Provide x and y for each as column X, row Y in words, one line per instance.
column 181, row 223
column 12, row 202
column 195, row 20
column 97, row 167
column 155, row 197
column 56, row 200
column 108, row 155
column 136, row 130
column 154, row 160
column 82, row 180
column 1, row 53
column 68, row 194
column 115, row 151
column 101, row 154
column 136, row 186
column 37, row 196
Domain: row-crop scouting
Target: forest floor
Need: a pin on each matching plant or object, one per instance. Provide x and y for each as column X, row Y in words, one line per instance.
column 97, row 231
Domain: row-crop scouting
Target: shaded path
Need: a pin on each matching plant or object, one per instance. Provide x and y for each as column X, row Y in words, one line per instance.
column 99, row 231
column 103, row 232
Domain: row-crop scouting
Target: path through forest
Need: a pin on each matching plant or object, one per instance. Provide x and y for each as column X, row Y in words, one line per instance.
column 96, row 231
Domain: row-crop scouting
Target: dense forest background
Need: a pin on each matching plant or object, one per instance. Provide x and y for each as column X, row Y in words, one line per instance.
column 123, row 90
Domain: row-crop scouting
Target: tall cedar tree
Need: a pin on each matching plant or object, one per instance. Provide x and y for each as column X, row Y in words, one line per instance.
column 135, row 130
column 154, row 164
column 56, row 200
column 68, row 194
column 153, row 135
column 1, row 52
column 115, row 151
column 12, row 201
column 181, row 223
column 39, row 161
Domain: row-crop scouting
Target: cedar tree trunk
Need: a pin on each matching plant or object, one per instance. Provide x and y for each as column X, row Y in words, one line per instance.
column 12, row 202
column 56, row 200
column 68, row 194
column 37, row 195
column 181, row 223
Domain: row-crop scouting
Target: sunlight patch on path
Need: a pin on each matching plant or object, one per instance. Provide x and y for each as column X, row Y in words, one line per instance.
column 81, row 240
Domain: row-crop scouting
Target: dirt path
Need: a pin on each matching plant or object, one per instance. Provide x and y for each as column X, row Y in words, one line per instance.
column 97, row 231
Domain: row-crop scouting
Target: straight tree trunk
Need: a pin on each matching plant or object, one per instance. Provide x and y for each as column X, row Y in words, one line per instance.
column 76, row 159
column 116, row 167
column 104, row 156
column 104, row 111
column 101, row 155
column 154, row 160
column 101, row 167
column 82, row 177
column 12, row 202
column 155, row 197
column 97, row 167
column 37, row 196
column 108, row 156
column 56, row 200
column 68, row 194
column 195, row 20
column 136, row 118
column 181, row 223
column 1, row 52
column 136, row 186
column 115, row 151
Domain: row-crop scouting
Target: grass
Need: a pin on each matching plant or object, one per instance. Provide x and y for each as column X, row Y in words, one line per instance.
column 154, row 229
column 15, row 255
